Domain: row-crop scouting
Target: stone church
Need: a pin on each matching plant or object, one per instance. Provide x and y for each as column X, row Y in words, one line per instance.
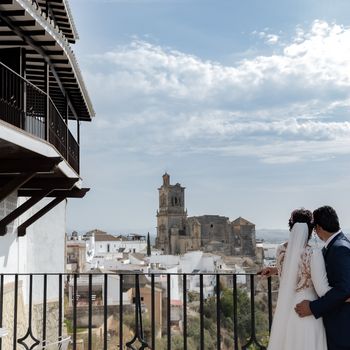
column 177, row 233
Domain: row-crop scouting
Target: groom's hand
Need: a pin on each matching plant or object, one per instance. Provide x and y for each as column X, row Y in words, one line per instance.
column 268, row 271
column 303, row 308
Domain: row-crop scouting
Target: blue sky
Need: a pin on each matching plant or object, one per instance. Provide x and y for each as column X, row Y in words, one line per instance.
column 245, row 104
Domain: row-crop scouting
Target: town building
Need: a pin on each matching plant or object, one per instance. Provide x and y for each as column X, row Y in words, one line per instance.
column 99, row 249
column 103, row 242
column 177, row 233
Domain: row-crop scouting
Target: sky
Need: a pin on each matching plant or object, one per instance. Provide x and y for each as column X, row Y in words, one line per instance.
column 245, row 103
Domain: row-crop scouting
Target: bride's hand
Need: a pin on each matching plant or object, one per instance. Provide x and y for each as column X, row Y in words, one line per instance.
column 268, row 271
column 347, row 300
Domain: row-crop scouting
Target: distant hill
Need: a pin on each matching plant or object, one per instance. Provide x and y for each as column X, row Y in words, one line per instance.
column 278, row 235
column 272, row 235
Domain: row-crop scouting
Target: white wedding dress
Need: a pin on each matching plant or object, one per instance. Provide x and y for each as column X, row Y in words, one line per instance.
column 302, row 277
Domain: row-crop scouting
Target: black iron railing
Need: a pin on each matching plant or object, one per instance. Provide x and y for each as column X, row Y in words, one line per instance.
column 25, row 106
column 136, row 311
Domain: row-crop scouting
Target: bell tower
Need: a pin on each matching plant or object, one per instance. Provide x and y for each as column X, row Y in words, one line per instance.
column 171, row 215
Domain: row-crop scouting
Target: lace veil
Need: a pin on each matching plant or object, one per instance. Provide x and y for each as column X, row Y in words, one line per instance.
column 298, row 238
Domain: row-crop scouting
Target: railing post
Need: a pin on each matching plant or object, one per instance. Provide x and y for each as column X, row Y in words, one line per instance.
column 47, row 87
column 44, row 307
column 60, row 305
column 15, row 306
column 168, row 312
column 67, row 129
column 218, row 309
column 90, row 313
column 121, row 344
column 105, row 310
column 201, row 312
column 184, row 297
column 75, row 300
column 1, row 303
column 153, row 307
column 235, row 312
column 24, row 105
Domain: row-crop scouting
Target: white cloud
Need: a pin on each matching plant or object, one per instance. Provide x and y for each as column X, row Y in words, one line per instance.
column 293, row 105
column 272, row 39
column 269, row 38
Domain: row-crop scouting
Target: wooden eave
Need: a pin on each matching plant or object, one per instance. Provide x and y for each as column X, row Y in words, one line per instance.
column 43, row 45
column 34, row 178
column 59, row 10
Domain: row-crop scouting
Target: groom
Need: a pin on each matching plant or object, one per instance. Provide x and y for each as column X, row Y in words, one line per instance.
column 332, row 306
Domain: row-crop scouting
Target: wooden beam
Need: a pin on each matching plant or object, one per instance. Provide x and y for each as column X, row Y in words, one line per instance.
column 35, row 32
column 73, row 193
column 37, row 165
column 21, row 210
column 13, row 12
column 22, row 229
column 12, row 43
column 15, row 184
column 48, row 52
column 44, row 182
column 25, row 23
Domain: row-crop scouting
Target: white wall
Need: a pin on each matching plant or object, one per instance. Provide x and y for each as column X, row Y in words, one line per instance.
column 9, row 245
column 41, row 250
column 129, row 246
column 114, row 290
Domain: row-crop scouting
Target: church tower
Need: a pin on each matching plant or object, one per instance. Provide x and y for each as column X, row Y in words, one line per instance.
column 171, row 216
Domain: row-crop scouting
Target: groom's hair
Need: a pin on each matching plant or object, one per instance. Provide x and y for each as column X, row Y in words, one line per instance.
column 327, row 218
column 301, row 215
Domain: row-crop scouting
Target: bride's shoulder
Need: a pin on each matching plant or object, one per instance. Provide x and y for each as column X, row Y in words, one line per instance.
column 282, row 247
column 312, row 250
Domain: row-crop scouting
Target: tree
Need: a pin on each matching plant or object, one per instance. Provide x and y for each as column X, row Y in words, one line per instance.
column 148, row 245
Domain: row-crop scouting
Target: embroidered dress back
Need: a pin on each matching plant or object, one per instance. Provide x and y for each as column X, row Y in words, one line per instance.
column 304, row 333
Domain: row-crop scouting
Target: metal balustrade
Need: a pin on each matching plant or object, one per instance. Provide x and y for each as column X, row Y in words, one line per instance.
column 136, row 310
column 29, row 108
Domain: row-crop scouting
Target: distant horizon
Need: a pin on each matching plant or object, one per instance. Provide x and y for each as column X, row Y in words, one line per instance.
column 274, row 234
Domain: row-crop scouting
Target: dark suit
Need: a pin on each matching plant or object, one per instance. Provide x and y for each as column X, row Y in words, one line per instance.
column 332, row 306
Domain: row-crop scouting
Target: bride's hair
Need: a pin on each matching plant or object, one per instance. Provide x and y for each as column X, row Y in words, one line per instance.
column 301, row 215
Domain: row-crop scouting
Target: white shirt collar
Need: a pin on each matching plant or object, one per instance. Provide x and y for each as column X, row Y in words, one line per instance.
column 331, row 237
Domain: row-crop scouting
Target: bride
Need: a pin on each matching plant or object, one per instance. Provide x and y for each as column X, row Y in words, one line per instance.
column 302, row 273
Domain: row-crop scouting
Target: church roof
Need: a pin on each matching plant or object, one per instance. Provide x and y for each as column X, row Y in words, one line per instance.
column 241, row 221
column 102, row 236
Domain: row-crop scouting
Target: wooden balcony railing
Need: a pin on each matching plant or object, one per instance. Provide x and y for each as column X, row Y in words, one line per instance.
column 29, row 108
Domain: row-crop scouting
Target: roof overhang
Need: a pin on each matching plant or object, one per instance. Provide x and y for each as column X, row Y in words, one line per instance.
column 23, row 24
column 61, row 13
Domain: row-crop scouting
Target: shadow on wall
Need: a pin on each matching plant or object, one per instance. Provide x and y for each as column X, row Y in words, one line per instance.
column 7, row 241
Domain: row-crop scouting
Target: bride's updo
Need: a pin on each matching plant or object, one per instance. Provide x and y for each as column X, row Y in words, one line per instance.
column 301, row 215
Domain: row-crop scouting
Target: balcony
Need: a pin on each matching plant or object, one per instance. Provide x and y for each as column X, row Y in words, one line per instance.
column 136, row 311
column 27, row 107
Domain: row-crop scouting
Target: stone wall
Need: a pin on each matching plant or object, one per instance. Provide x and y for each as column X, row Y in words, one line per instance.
column 8, row 314
column 22, row 317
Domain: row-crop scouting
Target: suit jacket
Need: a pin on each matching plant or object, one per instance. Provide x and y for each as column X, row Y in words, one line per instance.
column 332, row 306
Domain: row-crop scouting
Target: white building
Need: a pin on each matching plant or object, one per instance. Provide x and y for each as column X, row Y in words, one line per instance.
column 102, row 242
column 43, row 100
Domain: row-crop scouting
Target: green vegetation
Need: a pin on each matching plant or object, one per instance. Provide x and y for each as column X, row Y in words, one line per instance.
column 209, row 321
